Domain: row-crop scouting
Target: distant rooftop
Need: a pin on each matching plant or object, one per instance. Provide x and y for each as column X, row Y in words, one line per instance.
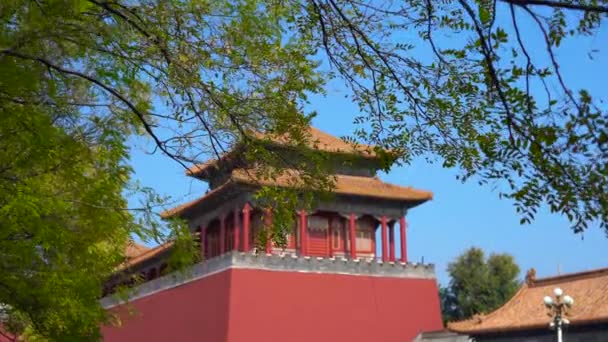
column 527, row 311
column 135, row 249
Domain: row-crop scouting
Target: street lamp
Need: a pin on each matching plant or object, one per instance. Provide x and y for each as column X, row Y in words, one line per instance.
column 558, row 308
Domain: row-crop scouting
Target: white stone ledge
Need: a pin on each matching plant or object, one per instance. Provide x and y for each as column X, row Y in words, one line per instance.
column 278, row 263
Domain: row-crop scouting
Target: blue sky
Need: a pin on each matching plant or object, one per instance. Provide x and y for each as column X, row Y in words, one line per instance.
column 460, row 215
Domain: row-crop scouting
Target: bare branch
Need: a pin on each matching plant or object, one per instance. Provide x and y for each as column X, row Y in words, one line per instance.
column 559, row 4
column 140, row 115
column 486, row 51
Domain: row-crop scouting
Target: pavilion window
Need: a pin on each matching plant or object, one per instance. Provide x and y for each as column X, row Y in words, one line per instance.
column 229, row 241
column 257, row 225
column 364, row 234
column 338, row 234
column 214, row 244
column 293, row 237
column 316, row 223
column 335, row 239
column 363, row 239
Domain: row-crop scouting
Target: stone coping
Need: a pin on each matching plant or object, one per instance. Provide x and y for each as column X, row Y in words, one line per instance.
column 278, row 263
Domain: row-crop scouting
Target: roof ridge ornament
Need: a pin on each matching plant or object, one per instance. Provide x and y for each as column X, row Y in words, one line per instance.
column 478, row 318
column 531, row 276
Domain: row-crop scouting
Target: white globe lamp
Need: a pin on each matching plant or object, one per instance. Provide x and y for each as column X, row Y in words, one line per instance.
column 558, row 292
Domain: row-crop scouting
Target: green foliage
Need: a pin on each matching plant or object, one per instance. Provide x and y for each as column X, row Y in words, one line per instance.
column 63, row 229
column 478, row 285
column 77, row 80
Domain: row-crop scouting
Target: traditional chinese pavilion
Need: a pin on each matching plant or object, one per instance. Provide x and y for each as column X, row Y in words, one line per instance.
column 525, row 318
column 327, row 285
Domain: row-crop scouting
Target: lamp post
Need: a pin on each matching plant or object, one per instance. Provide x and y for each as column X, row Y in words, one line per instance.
column 558, row 308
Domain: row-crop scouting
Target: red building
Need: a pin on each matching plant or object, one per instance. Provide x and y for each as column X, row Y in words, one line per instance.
column 327, row 285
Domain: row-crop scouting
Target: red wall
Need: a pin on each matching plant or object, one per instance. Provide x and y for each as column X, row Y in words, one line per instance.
column 277, row 306
column 5, row 336
column 184, row 313
column 290, row 306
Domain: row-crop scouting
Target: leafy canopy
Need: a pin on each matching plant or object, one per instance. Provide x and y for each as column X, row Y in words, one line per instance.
column 478, row 85
column 77, row 80
column 478, row 285
column 63, row 223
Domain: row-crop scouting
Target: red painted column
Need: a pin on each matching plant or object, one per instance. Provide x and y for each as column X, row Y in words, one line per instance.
column 268, row 219
column 330, row 233
column 303, row 234
column 351, row 235
column 391, row 242
column 384, row 242
column 203, row 237
column 222, row 234
column 403, row 241
column 246, row 220
column 237, row 229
